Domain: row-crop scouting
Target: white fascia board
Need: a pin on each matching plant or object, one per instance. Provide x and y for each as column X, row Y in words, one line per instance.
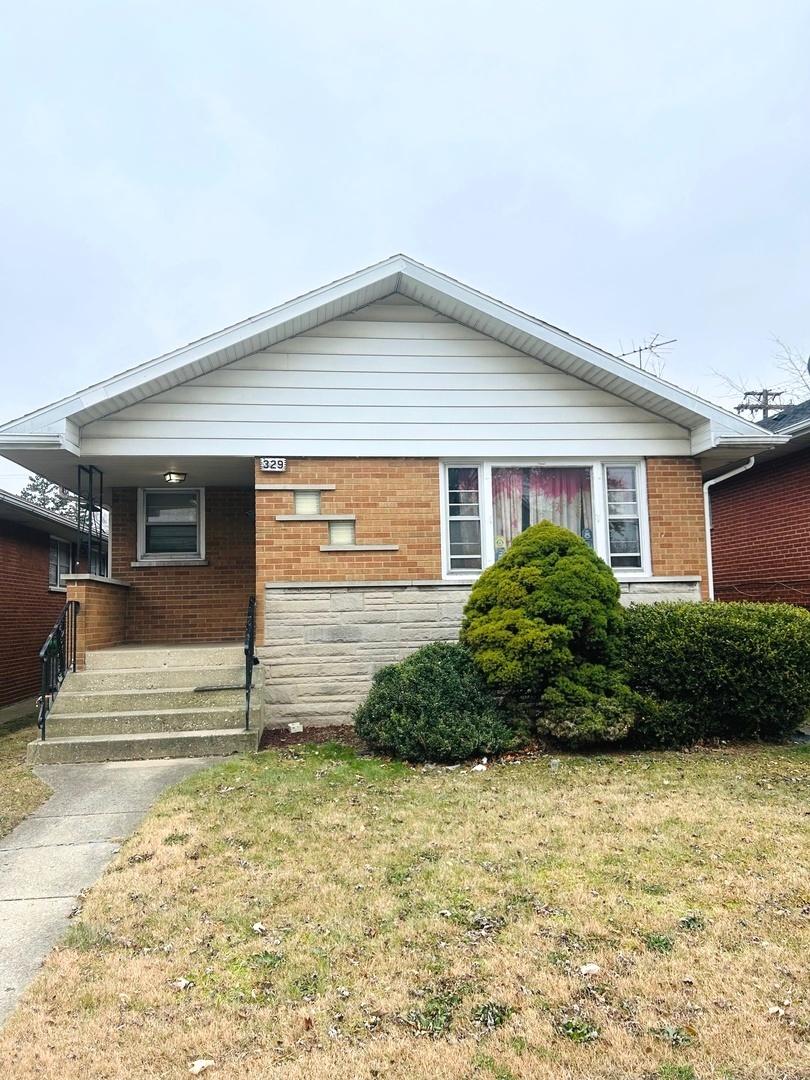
column 67, row 439
column 42, row 440
column 71, row 438
column 398, row 273
column 742, row 440
column 703, row 438
column 708, row 436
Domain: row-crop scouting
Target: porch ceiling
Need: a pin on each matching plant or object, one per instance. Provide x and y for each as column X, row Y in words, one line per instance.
column 59, row 466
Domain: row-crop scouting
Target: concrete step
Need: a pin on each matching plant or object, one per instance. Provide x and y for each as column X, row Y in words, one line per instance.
column 164, row 698
column 148, row 720
column 154, row 678
column 143, row 746
column 228, row 654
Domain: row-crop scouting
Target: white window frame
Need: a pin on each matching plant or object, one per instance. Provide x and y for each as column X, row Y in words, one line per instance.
column 484, row 519
column 170, row 556
column 645, row 570
column 598, row 499
column 60, row 542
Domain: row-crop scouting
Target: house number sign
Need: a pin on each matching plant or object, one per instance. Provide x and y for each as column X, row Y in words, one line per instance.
column 273, row 464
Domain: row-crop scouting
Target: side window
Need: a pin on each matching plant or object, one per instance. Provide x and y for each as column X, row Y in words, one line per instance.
column 464, row 518
column 58, row 562
column 624, row 529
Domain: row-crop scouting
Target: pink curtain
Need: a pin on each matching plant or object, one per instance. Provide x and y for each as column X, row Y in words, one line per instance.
column 524, row 496
column 562, row 496
column 507, row 505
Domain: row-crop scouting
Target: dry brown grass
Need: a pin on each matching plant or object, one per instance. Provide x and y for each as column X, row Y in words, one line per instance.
column 20, row 791
column 401, row 909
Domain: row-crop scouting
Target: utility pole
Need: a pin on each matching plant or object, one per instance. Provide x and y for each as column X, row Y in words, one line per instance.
column 764, row 401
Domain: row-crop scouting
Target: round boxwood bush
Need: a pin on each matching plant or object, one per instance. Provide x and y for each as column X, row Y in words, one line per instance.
column 547, row 607
column 718, row 670
column 433, row 706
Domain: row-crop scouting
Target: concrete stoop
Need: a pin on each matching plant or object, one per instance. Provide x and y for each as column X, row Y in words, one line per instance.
column 134, row 703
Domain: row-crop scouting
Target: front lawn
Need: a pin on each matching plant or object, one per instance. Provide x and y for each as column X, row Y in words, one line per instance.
column 309, row 913
column 20, row 791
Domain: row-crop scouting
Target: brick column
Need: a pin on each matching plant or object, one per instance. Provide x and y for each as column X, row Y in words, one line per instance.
column 677, row 525
column 102, row 615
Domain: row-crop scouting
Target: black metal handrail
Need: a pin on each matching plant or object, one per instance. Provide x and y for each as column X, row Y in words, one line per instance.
column 57, row 657
column 251, row 660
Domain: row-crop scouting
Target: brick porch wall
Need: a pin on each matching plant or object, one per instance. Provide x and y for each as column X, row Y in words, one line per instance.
column 677, row 525
column 29, row 609
column 186, row 604
column 102, row 616
column 761, row 532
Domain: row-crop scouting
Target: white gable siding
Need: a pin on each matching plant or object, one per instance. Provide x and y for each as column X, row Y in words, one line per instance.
column 394, row 378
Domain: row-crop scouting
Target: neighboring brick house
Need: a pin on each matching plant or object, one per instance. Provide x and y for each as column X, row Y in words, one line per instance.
column 355, row 458
column 761, row 519
column 36, row 549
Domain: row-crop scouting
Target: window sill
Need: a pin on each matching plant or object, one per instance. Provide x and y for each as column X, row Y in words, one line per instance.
column 141, row 564
column 295, row 487
column 97, row 577
column 642, row 576
column 359, row 547
column 57, row 588
column 315, row 517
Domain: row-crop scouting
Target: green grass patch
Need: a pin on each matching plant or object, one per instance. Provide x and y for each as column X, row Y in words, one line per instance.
column 20, row 790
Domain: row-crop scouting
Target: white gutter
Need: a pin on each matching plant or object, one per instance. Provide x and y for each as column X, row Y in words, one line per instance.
column 707, row 517
column 40, row 440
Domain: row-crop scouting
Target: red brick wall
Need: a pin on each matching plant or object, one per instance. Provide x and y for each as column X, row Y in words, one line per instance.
column 186, row 604
column 677, row 525
column 761, row 532
column 29, row 609
column 102, row 616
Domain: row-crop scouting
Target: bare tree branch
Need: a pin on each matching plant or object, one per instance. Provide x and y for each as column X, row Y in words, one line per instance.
column 793, row 365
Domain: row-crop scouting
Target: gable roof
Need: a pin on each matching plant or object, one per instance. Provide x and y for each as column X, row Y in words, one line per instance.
column 58, row 425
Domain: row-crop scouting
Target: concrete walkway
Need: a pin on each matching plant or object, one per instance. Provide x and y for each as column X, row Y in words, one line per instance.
column 62, row 848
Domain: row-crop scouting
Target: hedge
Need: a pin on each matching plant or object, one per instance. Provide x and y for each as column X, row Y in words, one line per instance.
column 717, row 670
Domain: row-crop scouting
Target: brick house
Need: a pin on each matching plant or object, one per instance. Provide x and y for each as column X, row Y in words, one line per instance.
column 354, row 458
column 760, row 519
column 36, row 552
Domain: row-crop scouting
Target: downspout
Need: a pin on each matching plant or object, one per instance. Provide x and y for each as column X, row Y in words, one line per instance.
column 707, row 517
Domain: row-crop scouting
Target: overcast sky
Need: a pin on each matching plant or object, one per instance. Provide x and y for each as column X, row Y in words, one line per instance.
column 618, row 169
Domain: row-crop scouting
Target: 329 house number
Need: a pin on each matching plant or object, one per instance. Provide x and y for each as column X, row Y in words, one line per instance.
column 273, row 464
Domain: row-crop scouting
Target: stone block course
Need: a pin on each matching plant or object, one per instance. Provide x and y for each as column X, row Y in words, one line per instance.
column 325, row 677
column 321, row 673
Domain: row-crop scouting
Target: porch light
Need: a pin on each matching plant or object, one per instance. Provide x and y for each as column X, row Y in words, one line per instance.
column 174, row 477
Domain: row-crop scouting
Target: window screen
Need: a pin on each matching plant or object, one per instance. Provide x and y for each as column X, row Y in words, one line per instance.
column 624, row 532
column 464, row 518
column 171, row 522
